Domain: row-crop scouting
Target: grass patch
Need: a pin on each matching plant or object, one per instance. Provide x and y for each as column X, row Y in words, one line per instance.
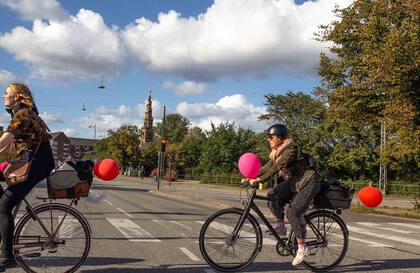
column 406, row 213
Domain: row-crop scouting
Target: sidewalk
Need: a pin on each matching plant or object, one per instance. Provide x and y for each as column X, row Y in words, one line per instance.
column 191, row 189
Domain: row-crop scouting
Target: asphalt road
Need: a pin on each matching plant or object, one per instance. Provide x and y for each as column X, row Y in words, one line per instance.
column 138, row 229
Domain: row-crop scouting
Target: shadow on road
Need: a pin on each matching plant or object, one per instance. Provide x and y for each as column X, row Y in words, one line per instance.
column 117, row 188
column 98, row 261
column 254, row 267
column 377, row 265
column 146, row 212
column 146, row 239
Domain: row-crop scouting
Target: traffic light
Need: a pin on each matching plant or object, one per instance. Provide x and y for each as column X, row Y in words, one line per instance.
column 163, row 145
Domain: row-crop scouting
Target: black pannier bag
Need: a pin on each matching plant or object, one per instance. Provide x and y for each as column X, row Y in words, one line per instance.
column 333, row 195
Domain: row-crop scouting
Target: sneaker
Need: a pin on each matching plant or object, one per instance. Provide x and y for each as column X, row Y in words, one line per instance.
column 300, row 255
column 7, row 263
column 281, row 231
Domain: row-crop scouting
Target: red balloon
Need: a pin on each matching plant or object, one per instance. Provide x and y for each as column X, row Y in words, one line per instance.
column 108, row 169
column 96, row 170
column 370, row 196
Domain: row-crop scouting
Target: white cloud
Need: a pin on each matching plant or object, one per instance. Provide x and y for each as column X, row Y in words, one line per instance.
column 106, row 118
column 4, row 120
column 232, row 38
column 6, row 77
column 157, row 110
column 123, row 110
column 233, row 108
column 51, row 118
column 36, row 9
column 241, row 37
column 79, row 46
column 186, row 88
column 70, row 132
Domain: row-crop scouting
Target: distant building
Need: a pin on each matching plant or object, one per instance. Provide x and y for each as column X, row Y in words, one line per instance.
column 60, row 145
column 146, row 135
column 65, row 147
column 80, row 146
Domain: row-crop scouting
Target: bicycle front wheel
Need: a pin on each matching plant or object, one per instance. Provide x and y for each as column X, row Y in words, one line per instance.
column 65, row 246
column 327, row 240
column 219, row 246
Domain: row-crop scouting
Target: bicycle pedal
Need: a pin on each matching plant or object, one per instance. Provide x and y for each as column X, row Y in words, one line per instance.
column 32, row 255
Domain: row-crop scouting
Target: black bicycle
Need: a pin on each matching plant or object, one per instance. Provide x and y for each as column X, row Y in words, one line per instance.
column 51, row 237
column 231, row 239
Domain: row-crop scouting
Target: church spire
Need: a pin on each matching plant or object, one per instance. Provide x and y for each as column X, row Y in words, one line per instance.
column 147, row 130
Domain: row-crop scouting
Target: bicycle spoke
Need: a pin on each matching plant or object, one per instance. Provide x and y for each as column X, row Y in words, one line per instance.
column 224, row 251
column 55, row 256
column 327, row 241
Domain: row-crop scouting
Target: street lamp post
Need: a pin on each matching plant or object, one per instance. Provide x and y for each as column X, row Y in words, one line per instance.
column 94, row 130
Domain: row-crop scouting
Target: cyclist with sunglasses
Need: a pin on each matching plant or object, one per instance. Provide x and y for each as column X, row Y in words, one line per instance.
column 298, row 182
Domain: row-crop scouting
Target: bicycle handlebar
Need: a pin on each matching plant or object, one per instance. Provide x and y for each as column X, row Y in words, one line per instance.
column 247, row 184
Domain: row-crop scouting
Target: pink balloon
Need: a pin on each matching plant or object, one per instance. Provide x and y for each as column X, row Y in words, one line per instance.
column 249, row 165
column 3, row 165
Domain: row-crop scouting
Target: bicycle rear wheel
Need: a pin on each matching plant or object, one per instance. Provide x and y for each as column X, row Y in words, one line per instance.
column 66, row 251
column 220, row 249
column 327, row 240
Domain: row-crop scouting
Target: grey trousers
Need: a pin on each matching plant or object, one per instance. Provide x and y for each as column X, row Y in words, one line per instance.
column 299, row 206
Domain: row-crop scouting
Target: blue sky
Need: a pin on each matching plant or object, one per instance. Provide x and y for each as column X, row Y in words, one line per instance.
column 211, row 61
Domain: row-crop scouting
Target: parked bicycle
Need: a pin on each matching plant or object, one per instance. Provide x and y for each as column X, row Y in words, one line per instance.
column 231, row 239
column 51, row 237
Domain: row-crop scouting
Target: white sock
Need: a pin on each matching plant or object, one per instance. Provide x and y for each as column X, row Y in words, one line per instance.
column 302, row 247
column 280, row 224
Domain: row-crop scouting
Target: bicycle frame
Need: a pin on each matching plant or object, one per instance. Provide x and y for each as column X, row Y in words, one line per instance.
column 254, row 207
column 251, row 205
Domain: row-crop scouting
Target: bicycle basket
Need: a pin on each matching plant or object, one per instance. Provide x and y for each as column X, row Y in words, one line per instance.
column 67, row 183
column 333, row 195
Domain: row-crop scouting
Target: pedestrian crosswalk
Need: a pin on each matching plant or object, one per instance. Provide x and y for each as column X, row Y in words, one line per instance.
column 387, row 234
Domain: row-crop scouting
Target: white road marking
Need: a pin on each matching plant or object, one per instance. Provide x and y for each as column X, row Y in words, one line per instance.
column 132, row 231
column 369, row 243
column 400, row 239
column 407, row 225
column 159, row 222
column 109, row 203
column 378, row 226
column 266, row 241
column 128, row 214
column 180, row 224
column 189, row 254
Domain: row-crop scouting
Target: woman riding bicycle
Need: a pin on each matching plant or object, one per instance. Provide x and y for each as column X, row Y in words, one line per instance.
column 31, row 141
column 300, row 184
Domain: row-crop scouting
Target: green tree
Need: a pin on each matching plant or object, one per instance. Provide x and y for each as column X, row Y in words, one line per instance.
column 191, row 149
column 224, row 146
column 100, row 150
column 149, row 156
column 373, row 79
column 304, row 117
column 123, row 145
column 176, row 128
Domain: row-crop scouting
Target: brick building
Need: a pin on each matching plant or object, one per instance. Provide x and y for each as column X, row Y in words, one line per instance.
column 64, row 146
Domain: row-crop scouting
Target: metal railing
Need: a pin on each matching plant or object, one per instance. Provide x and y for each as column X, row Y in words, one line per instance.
column 392, row 188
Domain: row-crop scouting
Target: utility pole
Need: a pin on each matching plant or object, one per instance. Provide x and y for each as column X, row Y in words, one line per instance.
column 382, row 165
column 94, row 130
column 161, row 155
